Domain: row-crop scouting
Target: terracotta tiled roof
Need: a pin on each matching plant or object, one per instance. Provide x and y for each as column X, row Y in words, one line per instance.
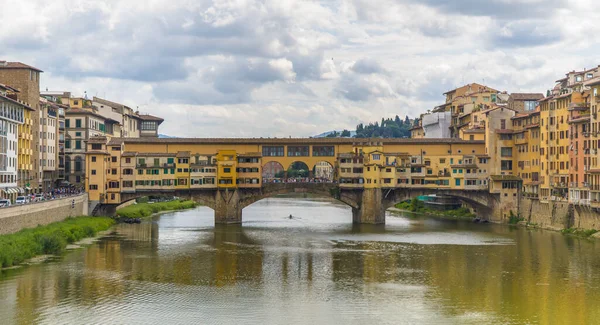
column 79, row 111
column 97, row 152
column 183, row 154
column 17, row 65
column 6, row 87
column 129, row 154
column 474, row 131
column 148, row 117
column 106, row 102
column 504, row 131
column 155, row 154
column 526, row 96
column 23, row 104
column 579, row 119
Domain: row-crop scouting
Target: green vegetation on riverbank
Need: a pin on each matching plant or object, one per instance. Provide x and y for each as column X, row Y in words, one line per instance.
column 579, row 232
column 415, row 205
column 142, row 210
column 50, row 239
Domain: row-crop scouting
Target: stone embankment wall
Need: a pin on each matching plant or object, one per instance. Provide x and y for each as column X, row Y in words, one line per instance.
column 550, row 215
column 585, row 218
column 31, row 215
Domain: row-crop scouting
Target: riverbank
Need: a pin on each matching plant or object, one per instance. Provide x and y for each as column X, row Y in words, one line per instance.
column 416, row 206
column 144, row 210
column 51, row 239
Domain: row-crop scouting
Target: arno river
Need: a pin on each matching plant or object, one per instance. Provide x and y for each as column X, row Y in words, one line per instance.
column 316, row 268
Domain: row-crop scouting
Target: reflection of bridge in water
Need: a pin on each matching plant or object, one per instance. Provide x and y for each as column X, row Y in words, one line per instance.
column 368, row 204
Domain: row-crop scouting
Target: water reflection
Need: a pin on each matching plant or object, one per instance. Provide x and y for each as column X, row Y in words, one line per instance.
column 315, row 268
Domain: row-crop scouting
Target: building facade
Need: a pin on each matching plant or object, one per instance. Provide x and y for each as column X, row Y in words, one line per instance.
column 12, row 116
column 26, row 79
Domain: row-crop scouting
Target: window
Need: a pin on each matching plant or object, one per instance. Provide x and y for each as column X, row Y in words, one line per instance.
column 506, row 152
column 442, row 160
column 506, row 165
column 457, row 182
column 297, row 151
column 113, row 159
column 67, row 123
column 67, row 144
column 96, row 146
column 578, row 78
column 78, row 123
column 323, row 151
column 77, row 144
column 148, row 126
column 93, row 187
column 77, row 134
column 503, row 124
column 227, row 170
column 93, row 158
column 376, row 156
column 128, row 160
column 272, row 151
column 140, row 172
column 93, row 172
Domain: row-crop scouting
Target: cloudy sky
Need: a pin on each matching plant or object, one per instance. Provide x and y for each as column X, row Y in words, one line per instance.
column 251, row 68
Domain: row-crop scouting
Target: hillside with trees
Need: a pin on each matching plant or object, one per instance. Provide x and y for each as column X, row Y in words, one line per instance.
column 387, row 128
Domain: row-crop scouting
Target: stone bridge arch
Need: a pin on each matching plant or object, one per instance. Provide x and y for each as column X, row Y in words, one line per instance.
column 328, row 190
column 482, row 201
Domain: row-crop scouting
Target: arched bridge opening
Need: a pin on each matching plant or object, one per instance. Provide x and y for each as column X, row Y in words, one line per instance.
column 481, row 202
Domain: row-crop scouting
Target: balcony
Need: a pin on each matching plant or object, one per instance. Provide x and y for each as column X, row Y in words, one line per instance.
column 141, row 165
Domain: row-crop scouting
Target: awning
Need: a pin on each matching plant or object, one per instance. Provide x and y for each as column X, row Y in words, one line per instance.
column 28, row 188
column 21, row 190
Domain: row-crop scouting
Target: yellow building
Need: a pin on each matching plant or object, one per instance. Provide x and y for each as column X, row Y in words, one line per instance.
column 555, row 143
column 526, row 132
column 594, row 170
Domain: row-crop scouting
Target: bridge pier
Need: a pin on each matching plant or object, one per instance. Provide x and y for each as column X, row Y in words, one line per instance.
column 228, row 209
column 371, row 209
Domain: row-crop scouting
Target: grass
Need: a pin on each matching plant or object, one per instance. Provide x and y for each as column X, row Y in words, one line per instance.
column 142, row 210
column 50, row 239
column 579, row 232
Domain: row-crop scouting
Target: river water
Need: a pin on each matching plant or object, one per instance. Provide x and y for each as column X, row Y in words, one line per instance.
column 316, row 268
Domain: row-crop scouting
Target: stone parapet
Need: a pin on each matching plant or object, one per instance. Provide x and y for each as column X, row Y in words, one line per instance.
column 31, row 215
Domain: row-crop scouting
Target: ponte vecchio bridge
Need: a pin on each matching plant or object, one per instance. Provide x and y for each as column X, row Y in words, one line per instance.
column 368, row 175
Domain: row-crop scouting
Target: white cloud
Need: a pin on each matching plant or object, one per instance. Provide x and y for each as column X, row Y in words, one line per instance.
column 292, row 67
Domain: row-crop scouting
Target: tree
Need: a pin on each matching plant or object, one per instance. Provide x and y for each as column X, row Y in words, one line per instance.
column 345, row 133
column 398, row 121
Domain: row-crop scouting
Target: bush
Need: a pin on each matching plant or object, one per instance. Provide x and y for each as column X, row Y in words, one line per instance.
column 142, row 210
column 513, row 219
column 579, row 232
column 50, row 239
